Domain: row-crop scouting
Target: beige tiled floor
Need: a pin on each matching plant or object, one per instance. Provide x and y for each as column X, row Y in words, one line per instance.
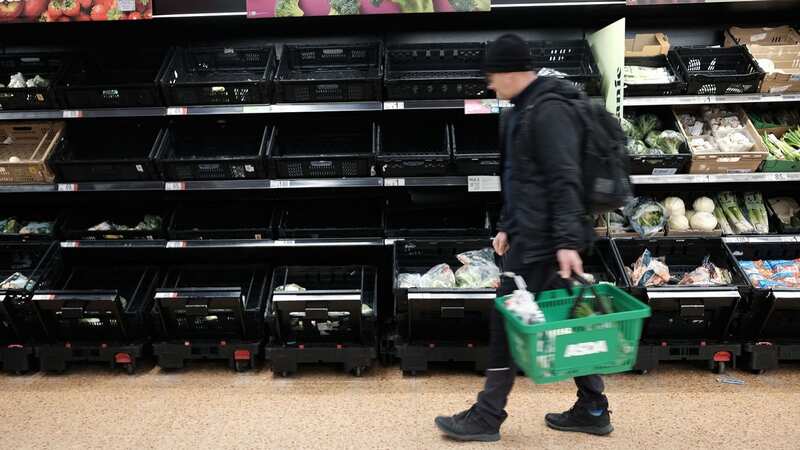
column 206, row 406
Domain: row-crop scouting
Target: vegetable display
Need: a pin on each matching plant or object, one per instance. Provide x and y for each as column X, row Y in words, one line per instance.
column 18, row 81
column 148, row 223
column 288, row 8
column 76, row 10
column 478, row 272
column 345, row 7
column 646, row 216
column 786, row 210
column 645, row 136
column 650, row 271
column 786, row 148
column 746, row 214
column 647, row 75
column 773, row 273
column 716, row 129
column 13, row 225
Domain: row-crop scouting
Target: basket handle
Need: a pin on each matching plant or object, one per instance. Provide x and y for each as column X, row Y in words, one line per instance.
column 581, row 291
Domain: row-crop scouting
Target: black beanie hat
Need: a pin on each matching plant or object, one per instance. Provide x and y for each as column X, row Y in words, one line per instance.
column 509, row 53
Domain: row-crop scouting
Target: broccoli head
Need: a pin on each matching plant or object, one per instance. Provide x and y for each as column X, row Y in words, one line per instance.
column 670, row 141
column 470, row 5
column 288, row 8
column 345, row 8
column 414, row 6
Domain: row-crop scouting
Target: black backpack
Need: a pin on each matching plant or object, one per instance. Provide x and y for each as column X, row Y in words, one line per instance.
column 605, row 164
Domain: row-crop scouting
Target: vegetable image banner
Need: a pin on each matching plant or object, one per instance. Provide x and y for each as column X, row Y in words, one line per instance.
column 74, row 10
column 297, row 8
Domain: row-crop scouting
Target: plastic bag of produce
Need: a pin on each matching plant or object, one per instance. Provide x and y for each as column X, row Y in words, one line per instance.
column 736, row 141
column 440, row 276
column 482, row 256
column 649, row 271
column 290, row 288
column 636, row 147
column 478, row 276
column 729, row 204
column 522, row 304
column 670, row 142
column 15, row 281
column 37, row 228
column 409, row 280
column 756, row 212
column 646, row 216
column 707, row 274
column 786, row 209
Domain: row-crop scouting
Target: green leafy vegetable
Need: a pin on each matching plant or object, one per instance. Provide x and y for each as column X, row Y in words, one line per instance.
column 653, row 139
column 414, row 6
column 670, row 141
column 470, row 5
column 288, row 8
column 345, row 7
column 647, row 123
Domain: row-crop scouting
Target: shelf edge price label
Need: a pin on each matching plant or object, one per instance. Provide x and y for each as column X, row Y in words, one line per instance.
column 256, row 109
column 177, row 111
column 176, row 244
column 280, row 184
column 175, row 186
column 67, row 187
column 394, row 182
column 394, row 105
column 70, row 244
column 483, row 183
column 72, row 114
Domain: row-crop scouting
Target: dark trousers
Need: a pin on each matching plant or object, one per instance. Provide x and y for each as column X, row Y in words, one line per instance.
column 539, row 276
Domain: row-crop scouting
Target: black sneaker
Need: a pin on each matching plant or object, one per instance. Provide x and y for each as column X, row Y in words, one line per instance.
column 580, row 420
column 467, row 426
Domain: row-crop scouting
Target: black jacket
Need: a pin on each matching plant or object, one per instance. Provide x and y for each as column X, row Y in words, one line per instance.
column 544, row 187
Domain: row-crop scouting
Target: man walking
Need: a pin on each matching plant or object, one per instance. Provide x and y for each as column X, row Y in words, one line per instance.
column 543, row 227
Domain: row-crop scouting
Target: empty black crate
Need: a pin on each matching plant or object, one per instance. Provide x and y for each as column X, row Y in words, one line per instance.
column 113, row 78
column 211, row 302
column 219, row 75
column 440, row 315
column 108, row 150
column 323, row 304
column 437, row 221
column 685, row 312
column 29, row 224
column 221, row 221
column 773, row 312
column 715, row 71
column 111, row 224
column 417, row 145
column 94, row 300
column 475, row 145
column 47, row 66
column 323, row 147
column 676, row 87
column 573, row 58
column 330, row 219
column 213, row 149
column 324, row 73
column 19, row 321
column 435, row 71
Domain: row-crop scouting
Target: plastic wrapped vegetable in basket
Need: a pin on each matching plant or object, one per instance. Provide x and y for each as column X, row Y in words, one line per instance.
column 647, row 216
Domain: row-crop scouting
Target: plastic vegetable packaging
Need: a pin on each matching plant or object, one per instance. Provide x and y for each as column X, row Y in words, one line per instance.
column 787, row 210
column 482, row 256
column 724, row 225
column 706, row 275
column 736, row 218
column 292, row 287
column 440, row 276
column 756, row 212
column 737, row 141
column 649, row 271
column 523, row 305
column 478, row 276
column 409, row 280
column 647, row 217
column 15, row 281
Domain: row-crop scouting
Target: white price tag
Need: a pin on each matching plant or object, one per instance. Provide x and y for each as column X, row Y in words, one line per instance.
column 394, row 105
column 504, row 104
column 177, row 111
column 175, row 186
column 126, row 5
column 257, row 109
column 280, row 184
column 67, row 187
column 176, row 244
column 482, row 183
column 282, row 242
column 70, row 244
column 72, row 114
column 665, row 171
column 394, row 182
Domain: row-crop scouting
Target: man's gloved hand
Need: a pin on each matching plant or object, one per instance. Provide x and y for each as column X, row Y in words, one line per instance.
column 500, row 243
column 569, row 262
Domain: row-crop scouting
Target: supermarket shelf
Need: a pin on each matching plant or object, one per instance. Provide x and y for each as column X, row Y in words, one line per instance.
column 122, row 243
column 784, row 239
column 709, row 99
column 326, row 183
column 758, row 177
column 245, row 243
column 216, row 185
column 111, row 186
column 26, row 188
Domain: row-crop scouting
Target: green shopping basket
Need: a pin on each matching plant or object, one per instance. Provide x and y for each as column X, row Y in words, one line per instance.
column 562, row 347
